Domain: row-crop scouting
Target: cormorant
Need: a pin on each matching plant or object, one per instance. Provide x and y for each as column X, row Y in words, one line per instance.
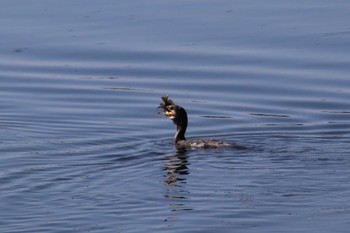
column 178, row 115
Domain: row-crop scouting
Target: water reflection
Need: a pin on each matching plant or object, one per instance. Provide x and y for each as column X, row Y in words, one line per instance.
column 176, row 169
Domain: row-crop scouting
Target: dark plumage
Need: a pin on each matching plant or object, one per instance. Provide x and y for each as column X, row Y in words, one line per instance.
column 178, row 115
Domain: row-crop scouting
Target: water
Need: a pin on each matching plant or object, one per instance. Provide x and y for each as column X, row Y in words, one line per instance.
column 84, row 150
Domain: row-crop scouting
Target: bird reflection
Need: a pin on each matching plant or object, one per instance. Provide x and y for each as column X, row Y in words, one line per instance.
column 176, row 169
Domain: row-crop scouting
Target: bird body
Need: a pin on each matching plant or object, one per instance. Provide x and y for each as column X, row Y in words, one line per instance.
column 179, row 117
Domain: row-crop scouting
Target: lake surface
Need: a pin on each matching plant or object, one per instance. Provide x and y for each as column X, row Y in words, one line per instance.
column 84, row 150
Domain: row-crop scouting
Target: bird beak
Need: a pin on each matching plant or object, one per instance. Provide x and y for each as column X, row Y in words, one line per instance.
column 168, row 114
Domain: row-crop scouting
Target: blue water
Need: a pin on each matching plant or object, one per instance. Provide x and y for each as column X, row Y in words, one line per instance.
column 84, row 150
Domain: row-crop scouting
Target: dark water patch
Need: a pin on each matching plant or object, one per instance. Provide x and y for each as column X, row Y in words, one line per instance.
column 20, row 50
column 338, row 112
column 269, row 115
column 126, row 89
column 219, row 117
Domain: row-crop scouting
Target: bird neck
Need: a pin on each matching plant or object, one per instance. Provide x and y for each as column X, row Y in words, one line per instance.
column 180, row 121
column 180, row 133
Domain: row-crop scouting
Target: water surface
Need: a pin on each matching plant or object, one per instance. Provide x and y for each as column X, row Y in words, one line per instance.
column 84, row 150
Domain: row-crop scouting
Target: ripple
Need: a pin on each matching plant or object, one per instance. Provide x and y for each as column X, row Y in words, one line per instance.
column 83, row 148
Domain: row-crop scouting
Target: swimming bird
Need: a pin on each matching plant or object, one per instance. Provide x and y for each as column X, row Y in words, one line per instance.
column 179, row 117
